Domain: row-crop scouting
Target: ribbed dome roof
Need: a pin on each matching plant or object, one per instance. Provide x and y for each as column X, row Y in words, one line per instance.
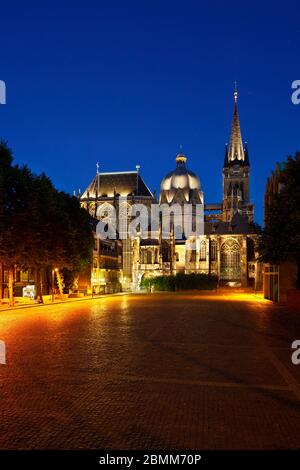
column 181, row 177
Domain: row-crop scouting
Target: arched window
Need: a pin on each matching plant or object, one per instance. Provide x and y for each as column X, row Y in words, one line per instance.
column 143, row 256
column 149, row 256
column 213, row 250
column 192, row 256
column 230, row 260
column 202, row 256
column 105, row 211
column 107, row 215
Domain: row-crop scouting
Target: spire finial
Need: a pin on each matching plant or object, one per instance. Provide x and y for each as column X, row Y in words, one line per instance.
column 235, row 94
column 97, row 168
column 235, row 148
column 181, row 158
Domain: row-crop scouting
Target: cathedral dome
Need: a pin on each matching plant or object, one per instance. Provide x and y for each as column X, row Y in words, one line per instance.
column 181, row 177
column 181, row 180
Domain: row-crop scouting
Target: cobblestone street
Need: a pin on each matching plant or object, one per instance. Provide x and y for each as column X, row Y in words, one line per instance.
column 159, row 371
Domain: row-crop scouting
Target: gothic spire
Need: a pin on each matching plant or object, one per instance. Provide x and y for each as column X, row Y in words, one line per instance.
column 235, row 149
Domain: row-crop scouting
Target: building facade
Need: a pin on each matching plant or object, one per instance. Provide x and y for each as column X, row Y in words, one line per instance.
column 104, row 276
column 119, row 190
column 227, row 245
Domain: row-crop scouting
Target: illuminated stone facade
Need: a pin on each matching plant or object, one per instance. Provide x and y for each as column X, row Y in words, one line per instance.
column 227, row 245
column 120, row 190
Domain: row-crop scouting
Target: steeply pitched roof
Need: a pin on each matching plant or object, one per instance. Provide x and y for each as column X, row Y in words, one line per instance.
column 239, row 225
column 235, row 152
column 121, row 183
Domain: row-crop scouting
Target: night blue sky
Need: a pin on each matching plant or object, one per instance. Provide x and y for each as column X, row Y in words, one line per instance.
column 126, row 82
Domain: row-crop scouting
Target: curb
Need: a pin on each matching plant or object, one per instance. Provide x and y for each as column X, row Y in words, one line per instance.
column 96, row 297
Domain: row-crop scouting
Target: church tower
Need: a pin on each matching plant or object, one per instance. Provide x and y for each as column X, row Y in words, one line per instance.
column 236, row 173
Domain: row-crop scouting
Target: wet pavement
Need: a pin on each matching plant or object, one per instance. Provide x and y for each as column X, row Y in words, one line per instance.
column 159, row 371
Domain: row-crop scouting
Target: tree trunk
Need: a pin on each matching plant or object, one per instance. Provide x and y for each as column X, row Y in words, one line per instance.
column 39, row 286
column 11, row 275
column 2, row 282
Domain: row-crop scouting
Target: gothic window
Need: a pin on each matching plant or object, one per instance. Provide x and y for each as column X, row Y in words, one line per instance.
column 192, row 256
column 202, row 251
column 149, row 256
column 143, row 256
column 230, row 260
column 213, row 250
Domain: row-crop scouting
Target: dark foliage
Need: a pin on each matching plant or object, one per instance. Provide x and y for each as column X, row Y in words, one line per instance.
column 39, row 226
column 281, row 237
column 181, row 281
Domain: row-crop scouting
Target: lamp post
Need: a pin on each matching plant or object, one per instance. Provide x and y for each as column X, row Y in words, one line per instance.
column 53, row 273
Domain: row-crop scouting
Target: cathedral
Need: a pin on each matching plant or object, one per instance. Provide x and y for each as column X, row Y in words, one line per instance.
column 227, row 245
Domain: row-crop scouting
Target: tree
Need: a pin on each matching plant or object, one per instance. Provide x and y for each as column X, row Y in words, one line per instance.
column 14, row 197
column 281, row 236
column 60, row 235
column 40, row 227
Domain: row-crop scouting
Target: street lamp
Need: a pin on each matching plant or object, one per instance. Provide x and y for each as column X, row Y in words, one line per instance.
column 55, row 270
